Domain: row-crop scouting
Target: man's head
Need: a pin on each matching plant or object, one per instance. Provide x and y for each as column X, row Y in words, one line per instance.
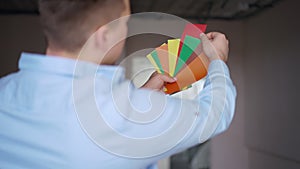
column 68, row 24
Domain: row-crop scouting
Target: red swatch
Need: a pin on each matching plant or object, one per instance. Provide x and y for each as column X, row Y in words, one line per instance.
column 193, row 30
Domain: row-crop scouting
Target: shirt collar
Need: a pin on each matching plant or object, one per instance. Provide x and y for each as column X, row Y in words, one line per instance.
column 68, row 67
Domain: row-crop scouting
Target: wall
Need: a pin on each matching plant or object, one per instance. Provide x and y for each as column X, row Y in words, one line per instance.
column 228, row 150
column 272, row 95
column 265, row 131
column 18, row 33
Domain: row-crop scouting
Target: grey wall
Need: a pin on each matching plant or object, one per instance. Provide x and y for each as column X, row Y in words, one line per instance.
column 265, row 130
column 18, row 33
column 272, row 71
column 228, row 150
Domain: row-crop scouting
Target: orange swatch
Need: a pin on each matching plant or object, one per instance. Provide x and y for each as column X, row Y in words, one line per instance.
column 194, row 71
column 163, row 55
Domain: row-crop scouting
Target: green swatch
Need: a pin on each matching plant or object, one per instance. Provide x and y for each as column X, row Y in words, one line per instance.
column 189, row 45
column 156, row 59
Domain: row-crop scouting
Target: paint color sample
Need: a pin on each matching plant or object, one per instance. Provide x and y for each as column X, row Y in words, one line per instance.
column 163, row 55
column 189, row 45
column 193, row 72
column 173, row 47
column 181, row 58
column 154, row 63
column 156, row 59
column 193, row 30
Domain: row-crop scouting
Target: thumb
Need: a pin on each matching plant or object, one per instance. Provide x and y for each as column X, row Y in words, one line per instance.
column 167, row 78
column 204, row 38
column 208, row 48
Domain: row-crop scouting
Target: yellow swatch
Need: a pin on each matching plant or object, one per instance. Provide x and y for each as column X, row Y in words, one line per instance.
column 173, row 47
column 153, row 63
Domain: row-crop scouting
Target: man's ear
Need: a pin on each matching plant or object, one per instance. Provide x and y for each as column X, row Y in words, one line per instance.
column 101, row 38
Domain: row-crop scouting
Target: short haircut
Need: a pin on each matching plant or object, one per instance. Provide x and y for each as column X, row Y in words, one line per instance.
column 68, row 24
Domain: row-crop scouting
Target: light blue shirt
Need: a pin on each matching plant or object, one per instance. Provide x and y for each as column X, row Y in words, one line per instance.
column 46, row 120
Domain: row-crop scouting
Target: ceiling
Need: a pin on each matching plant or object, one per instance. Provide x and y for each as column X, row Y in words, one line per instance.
column 188, row 9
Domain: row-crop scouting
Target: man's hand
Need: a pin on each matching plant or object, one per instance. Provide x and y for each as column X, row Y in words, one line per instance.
column 157, row 81
column 215, row 46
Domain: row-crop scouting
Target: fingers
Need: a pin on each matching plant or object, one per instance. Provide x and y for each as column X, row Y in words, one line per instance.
column 166, row 78
column 215, row 45
column 215, row 35
column 204, row 37
column 208, row 48
column 157, row 81
column 210, row 35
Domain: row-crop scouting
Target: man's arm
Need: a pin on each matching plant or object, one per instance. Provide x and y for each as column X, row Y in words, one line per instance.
column 153, row 125
column 194, row 121
column 216, row 102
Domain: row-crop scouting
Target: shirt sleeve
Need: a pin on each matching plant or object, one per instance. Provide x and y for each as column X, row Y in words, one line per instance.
column 154, row 126
column 216, row 106
column 217, row 100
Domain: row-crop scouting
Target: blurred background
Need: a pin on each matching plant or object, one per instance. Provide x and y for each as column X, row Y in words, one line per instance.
column 264, row 62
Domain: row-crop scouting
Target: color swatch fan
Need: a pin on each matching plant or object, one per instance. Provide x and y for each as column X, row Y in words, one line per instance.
column 181, row 58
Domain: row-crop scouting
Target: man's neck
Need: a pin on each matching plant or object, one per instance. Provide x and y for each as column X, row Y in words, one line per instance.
column 87, row 57
column 50, row 52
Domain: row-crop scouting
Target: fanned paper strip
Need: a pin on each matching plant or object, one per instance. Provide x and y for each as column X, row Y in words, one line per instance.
column 173, row 47
column 195, row 54
column 163, row 55
column 181, row 58
column 189, row 45
column 150, row 58
column 157, row 65
column 193, row 30
column 193, row 72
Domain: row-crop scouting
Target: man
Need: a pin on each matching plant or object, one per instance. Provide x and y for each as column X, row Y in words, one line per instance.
column 41, row 105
